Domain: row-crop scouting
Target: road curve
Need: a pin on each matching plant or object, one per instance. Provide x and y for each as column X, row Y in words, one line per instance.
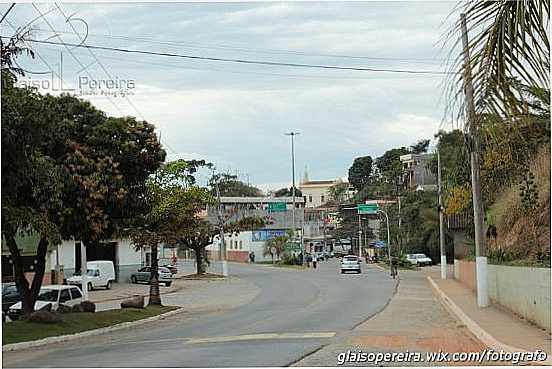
column 295, row 313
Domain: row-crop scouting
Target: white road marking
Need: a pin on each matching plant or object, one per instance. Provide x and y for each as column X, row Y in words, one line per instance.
column 261, row 336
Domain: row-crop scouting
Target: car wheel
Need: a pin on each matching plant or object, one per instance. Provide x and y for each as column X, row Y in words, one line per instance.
column 90, row 286
column 133, row 279
column 13, row 317
column 108, row 285
column 342, row 272
column 168, row 284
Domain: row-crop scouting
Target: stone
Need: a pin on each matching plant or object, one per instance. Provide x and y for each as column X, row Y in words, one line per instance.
column 88, row 306
column 134, row 302
column 43, row 316
column 64, row 309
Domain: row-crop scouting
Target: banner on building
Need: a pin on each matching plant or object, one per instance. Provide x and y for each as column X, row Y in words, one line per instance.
column 267, row 234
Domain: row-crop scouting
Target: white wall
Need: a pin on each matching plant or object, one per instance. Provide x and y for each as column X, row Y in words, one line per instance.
column 316, row 193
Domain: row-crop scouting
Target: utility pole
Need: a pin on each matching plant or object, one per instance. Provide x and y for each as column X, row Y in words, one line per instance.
column 84, row 270
column 400, row 220
column 222, row 248
column 359, row 237
column 475, row 151
column 292, row 135
column 388, row 240
column 441, row 222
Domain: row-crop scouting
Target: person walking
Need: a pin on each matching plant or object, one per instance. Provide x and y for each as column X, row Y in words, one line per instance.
column 314, row 260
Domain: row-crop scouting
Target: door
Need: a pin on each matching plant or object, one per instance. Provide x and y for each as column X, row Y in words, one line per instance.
column 144, row 274
column 76, row 296
column 65, row 297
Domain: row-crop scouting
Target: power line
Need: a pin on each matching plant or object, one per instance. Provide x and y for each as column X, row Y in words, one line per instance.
column 257, row 50
column 241, row 61
column 7, row 12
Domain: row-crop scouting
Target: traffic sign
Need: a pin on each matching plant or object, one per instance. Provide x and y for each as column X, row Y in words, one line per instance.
column 367, row 208
column 292, row 246
column 380, row 244
column 277, row 206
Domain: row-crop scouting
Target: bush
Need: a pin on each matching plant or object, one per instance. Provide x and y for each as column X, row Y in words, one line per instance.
column 77, row 309
column 88, row 306
column 63, row 309
column 46, row 317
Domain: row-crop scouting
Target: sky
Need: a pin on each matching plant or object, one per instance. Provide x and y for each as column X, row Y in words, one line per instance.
column 234, row 114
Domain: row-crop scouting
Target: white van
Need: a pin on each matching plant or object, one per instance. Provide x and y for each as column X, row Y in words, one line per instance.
column 100, row 273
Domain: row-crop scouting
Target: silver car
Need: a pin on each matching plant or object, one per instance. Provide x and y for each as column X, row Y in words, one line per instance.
column 350, row 263
column 144, row 275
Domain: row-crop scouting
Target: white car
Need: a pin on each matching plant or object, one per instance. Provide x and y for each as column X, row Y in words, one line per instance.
column 418, row 259
column 54, row 294
column 350, row 263
column 99, row 273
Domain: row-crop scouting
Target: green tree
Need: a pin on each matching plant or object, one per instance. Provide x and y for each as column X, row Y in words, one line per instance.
column 278, row 243
column 288, row 192
column 509, row 39
column 360, row 173
column 338, row 192
column 420, row 147
column 389, row 164
column 229, row 185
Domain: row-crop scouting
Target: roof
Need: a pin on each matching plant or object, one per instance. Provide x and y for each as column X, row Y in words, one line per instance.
column 409, row 157
column 259, row 200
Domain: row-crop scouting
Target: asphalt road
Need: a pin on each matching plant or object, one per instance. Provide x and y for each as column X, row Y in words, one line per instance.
column 296, row 313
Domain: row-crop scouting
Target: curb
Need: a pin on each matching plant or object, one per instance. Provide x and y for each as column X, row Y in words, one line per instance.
column 92, row 332
column 481, row 334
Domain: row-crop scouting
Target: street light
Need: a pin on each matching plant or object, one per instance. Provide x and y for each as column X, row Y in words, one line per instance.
column 388, row 240
column 292, row 135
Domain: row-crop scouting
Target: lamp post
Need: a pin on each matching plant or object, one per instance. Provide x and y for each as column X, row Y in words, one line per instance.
column 292, row 135
column 388, row 238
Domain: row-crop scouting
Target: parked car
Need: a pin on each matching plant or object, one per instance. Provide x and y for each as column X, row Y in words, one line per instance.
column 144, row 275
column 170, row 267
column 350, row 263
column 418, row 259
column 100, row 273
column 9, row 295
column 54, row 294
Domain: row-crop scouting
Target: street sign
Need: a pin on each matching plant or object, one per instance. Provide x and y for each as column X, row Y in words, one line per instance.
column 292, row 246
column 367, row 208
column 380, row 244
column 277, row 206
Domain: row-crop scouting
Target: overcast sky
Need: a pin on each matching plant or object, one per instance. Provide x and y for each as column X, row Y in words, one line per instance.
column 235, row 115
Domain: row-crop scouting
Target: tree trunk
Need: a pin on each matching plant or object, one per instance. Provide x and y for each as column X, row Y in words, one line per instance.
column 28, row 293
column 199, row 261
column 154, row 296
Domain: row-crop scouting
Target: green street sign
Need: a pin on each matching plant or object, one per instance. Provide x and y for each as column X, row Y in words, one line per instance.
column 292, row 246
column 277, row 206
column 367, row 208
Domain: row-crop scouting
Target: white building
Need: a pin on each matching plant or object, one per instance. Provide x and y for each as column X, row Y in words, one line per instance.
column 317, row 193
column 416, row 172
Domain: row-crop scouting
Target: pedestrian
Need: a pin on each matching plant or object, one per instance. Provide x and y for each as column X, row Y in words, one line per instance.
column 314, row 261
column 309, row 259
column 300, row 259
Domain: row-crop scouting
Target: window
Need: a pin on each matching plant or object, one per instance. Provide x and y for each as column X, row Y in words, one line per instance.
column 310, row 198
column 75, row 293
column 241, row 244
column 322, row 198
column 64, row 296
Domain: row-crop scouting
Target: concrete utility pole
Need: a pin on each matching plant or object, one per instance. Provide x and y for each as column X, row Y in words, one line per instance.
column 475, row 151
column 292, row 135
column 388, row 240
column 359, row 237
column 441, row 222
column 84, row 269
column 222, row 248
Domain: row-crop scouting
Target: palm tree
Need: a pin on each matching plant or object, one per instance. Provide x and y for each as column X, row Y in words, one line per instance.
column 278, row 243
column 508, row 42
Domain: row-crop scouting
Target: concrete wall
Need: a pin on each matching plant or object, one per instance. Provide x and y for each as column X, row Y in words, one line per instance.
column 523, row 290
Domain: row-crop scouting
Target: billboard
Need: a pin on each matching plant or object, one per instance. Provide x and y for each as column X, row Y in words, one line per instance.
column 267, row 234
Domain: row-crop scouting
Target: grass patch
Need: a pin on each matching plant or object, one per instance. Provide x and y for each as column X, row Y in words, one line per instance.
column 22, row 330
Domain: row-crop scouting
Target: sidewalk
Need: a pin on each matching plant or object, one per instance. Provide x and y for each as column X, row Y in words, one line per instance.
column 494, row 323
column 414, row 320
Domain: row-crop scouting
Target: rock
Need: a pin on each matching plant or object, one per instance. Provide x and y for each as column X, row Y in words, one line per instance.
column 43, row 316
column 47, row 307
column 64, row 309
column 135, row 302
column 77, row 309
column 88, row 306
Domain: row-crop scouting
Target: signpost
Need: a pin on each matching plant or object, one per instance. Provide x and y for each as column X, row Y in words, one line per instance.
column 367, row 208
column 277, row 206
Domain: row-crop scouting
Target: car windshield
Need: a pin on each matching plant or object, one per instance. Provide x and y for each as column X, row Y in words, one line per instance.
column 420, row 256
column 350, row 259
column 92, row 272
column 47, row 294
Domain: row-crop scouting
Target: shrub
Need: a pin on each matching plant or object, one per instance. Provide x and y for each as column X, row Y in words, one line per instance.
column 135, row 302
column 46, row 317
column 77, row 309
column 88, row 306
column 63, row 309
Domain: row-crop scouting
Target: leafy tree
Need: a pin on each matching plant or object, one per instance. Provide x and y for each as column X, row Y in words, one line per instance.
column 229, row 185
column 288, row 192
column 389, row 164
column 69, row 172
column 171, row 195
column 360, row 172
column 509, row 39
column 420, row 147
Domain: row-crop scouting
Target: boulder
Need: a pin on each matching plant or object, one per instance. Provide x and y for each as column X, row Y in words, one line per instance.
column 64, row 309
column 88, row 306
column 47, row 317
column 77, row 309
column 47, row 307
column 135, row 302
